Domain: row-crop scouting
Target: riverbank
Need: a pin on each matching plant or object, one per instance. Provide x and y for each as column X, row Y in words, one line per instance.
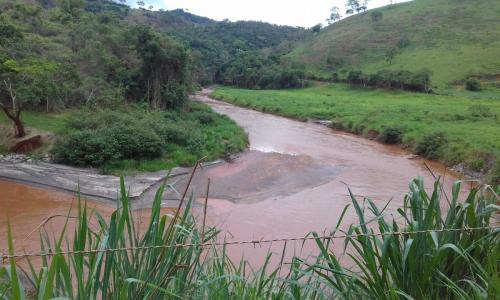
column 291, row 181
column 87, row 182
column 130, row 140
column 459, row 131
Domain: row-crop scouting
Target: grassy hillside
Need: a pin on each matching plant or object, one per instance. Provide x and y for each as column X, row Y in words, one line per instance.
column 452, row 38
column 453, row 129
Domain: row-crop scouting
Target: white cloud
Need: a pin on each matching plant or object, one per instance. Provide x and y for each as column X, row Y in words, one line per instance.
column 304, row 13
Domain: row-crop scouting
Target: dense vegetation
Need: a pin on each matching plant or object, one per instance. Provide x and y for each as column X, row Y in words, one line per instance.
column 428, row 262
column 403, row 80
column 458, row 130
column 147, row 140
column 237, row 53
column 453, row 39
column 69, row 56
column 65, row 62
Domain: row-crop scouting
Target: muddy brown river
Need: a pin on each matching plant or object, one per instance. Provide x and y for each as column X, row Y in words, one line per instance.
column 291, row 181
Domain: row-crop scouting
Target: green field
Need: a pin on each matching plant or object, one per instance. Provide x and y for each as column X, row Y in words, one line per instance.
column 471, row 127
column 452, row 39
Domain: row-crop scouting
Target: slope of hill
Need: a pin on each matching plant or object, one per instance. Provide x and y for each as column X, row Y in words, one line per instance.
column 453, row 39
column 218, row 44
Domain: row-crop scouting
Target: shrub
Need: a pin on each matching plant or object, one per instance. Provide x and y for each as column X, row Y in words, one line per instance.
column 403, row 42
column 377, row 16
column 94, row 139
column 480, row 111
column 430, row 146
column 391, row 135
column 135, row 142
column 98, row 147
column 494, row 174
column 175, row 134
column 86, row 148
column 354, row 77
column 204, row 118
column 203, row 115
column 335, row 77
column 473, row 85
column 400, row 79
column 105, row 138
column 174, row 95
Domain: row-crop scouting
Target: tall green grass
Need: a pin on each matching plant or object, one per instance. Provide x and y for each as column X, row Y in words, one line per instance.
column 431, row 260
column 418, row 118
column 414, row 265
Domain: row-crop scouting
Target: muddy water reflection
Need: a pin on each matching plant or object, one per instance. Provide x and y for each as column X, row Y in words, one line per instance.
column 370, row 169
column 291, row 182
column 28, row 207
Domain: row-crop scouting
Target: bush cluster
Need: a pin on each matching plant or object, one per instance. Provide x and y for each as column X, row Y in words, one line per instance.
column 99, row 138
column 109, row 137
column 281, row 79
column 391, row 135
column 404, row 80
column 431, row 145
column 473, row 85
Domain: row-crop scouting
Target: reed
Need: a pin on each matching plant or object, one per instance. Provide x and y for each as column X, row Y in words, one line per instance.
column 427, row 262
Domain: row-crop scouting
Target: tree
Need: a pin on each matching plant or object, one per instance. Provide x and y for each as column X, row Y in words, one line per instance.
column 12, row 108
column 164, row 68
column 72, row 7
column 377, row 16
column 364, row 6
column 334, row 15
column 316, row 28
column 31, row 83
column 151, row 7
column 141, row 3
column 352, row 5
column 390, row 54
column 472, row 84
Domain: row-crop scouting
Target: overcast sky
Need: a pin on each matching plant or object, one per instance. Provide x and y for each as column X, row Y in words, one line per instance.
column 304, row 13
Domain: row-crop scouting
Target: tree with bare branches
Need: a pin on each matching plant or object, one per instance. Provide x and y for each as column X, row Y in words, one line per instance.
column 12, row 108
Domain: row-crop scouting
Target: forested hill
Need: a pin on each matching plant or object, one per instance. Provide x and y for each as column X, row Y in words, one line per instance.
column 218, row 46
column 101, row 52
column 453, row 39
column 72, row 53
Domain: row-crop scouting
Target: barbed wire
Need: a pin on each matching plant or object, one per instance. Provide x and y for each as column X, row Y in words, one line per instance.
column 247, row 242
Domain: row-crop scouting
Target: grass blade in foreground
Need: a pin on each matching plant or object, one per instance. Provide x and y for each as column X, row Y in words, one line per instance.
column 436, row 263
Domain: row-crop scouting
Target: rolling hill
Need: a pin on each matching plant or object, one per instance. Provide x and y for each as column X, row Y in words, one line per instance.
column 454, row 39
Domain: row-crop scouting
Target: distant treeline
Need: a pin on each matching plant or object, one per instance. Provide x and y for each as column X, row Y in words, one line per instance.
column 419, row 81
column 253, row 71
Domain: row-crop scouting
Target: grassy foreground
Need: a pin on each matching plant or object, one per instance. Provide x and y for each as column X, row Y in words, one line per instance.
column 453, row 129
column 428, row 262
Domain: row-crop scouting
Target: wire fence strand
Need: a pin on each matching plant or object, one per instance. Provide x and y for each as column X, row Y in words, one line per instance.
column 247, row 242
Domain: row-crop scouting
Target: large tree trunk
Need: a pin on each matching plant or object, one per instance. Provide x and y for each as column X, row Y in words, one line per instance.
column 15, row 116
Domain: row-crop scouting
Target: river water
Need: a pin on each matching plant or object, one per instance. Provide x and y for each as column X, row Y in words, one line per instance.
column 293, row 180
